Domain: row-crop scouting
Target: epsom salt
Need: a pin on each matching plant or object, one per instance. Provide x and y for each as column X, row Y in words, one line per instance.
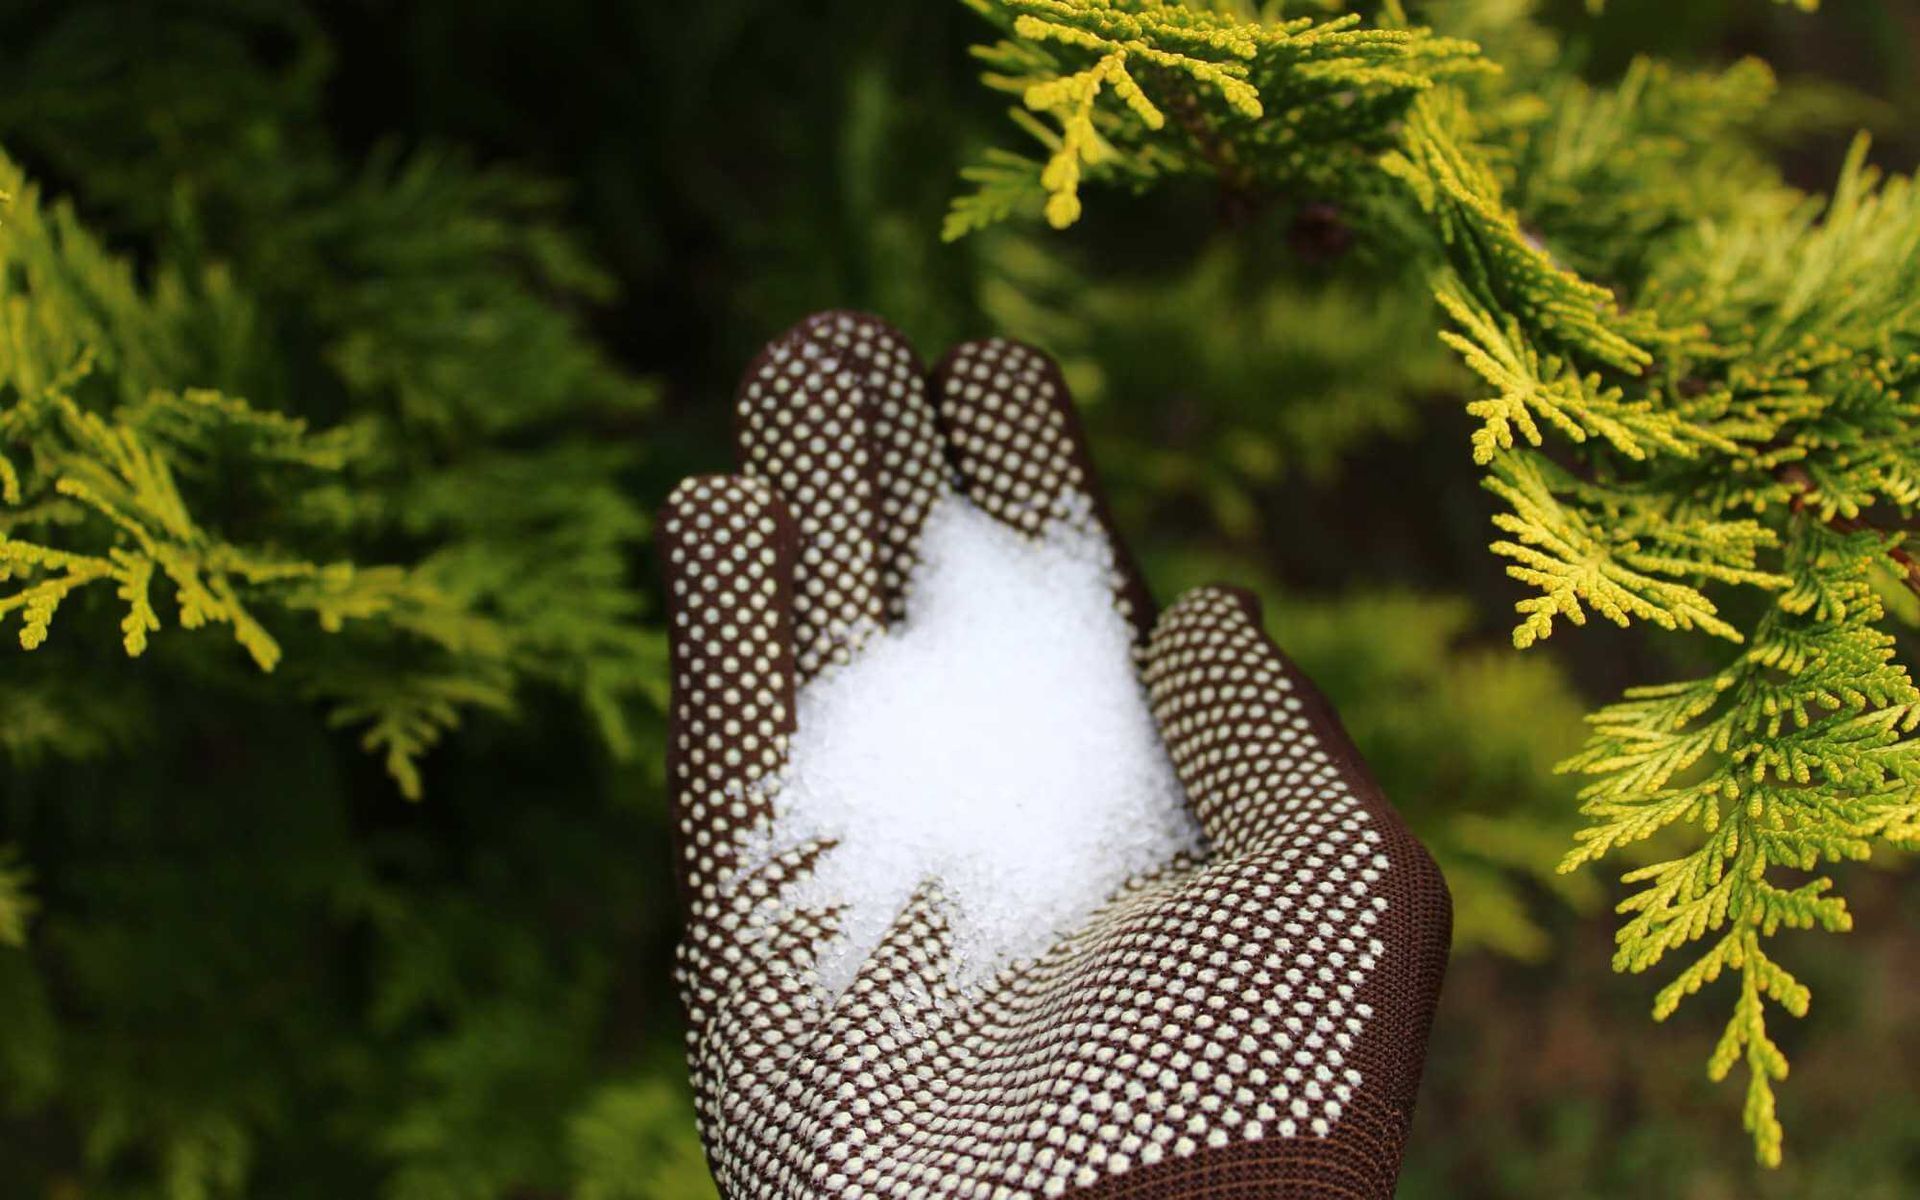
column 995, row 743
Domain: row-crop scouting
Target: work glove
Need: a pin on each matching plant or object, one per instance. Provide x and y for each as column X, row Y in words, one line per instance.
column 1247, row 1022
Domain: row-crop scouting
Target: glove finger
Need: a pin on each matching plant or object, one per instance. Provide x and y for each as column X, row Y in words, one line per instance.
column 728, row 553
column 801, row 425
column 910, row 469
column 1015, row 439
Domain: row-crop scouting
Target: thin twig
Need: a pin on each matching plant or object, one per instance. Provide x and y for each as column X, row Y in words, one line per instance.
column 1235, row 182
column 1804, row 489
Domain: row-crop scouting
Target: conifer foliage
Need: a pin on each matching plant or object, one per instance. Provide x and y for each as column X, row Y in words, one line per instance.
column 98, row 444
column 122, row 404
column 1696, row 393
column 296, row 435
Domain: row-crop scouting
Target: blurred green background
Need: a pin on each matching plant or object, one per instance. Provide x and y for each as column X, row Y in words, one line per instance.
column 533, row 244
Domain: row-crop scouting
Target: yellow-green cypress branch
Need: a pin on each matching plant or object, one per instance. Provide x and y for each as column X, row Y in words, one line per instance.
column 1733, row 400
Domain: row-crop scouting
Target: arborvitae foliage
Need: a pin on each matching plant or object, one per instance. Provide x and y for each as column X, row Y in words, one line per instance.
column 1695, row 399
column 420, row 291
column 296, row 437
column 100, row 453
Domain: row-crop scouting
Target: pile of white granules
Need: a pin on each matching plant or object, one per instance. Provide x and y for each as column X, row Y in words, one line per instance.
column 996, row 743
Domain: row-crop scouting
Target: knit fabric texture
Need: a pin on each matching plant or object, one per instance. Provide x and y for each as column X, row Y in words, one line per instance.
column 1248, row 1024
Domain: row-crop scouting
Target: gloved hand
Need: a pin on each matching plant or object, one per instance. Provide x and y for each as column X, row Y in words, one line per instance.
column 1253, row 1025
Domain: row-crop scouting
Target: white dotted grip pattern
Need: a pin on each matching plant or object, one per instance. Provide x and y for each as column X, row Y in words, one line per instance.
column 1248, row 1026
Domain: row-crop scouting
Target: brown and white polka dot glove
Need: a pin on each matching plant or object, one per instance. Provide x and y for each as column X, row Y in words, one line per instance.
column 1250, row 1025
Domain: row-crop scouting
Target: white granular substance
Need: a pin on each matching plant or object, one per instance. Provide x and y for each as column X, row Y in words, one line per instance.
column 996, row 742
